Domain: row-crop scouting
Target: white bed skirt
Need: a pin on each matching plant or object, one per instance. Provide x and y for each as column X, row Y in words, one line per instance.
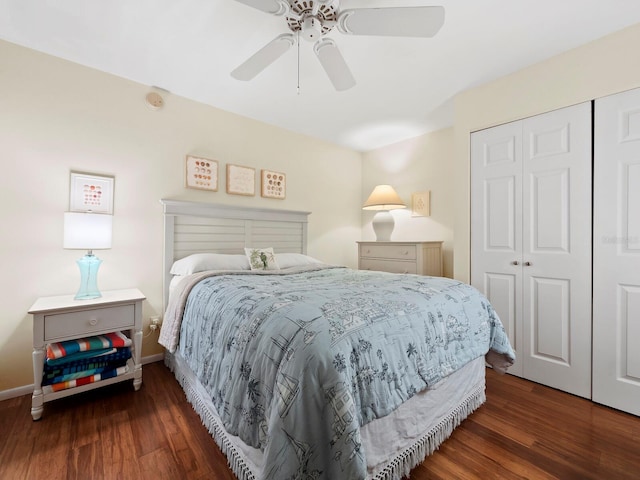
column 393, row 445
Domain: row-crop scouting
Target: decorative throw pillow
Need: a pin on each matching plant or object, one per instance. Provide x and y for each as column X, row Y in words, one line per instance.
column 261, row 258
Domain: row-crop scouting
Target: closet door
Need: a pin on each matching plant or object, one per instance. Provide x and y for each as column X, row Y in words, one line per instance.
column 496, row 225
column 531, row 241
column 616, row 296
column 556, row 249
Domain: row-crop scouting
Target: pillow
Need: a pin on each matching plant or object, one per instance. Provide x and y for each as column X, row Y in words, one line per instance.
column 261, row 258
column 199, row 262
column 288, row 260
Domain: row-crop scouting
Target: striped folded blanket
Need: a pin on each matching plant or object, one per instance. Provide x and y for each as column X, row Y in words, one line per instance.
column 89, row 344
column 114, row 372
column 50, row 380
column 69, row 365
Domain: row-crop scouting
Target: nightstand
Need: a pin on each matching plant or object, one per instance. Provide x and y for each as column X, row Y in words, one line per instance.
column 60, row 318
column 422, row 258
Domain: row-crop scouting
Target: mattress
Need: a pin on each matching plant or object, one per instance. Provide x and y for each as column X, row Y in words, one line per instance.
column 393, row 444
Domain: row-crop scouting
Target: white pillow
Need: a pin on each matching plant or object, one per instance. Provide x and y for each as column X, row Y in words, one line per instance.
column 288, row 260
column 261, row 258
column 200, row 262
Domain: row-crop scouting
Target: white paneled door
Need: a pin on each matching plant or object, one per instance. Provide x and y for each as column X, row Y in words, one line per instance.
column 616, row 284
column 531, row 240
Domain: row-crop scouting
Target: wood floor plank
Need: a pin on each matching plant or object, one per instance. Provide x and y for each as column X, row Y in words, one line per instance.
column 524, row 431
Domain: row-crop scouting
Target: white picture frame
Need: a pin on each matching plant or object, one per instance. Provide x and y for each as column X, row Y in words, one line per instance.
column 91, row 193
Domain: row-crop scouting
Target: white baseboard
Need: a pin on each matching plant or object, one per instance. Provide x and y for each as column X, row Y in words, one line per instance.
column 28, row 389
column 158, row 357
column 16, row 392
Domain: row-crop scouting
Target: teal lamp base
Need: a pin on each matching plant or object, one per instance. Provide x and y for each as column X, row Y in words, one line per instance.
column 88, row 265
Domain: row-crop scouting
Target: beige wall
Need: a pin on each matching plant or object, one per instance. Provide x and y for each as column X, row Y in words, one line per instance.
column 600, row 68
column 415, row 165
column 56, row 116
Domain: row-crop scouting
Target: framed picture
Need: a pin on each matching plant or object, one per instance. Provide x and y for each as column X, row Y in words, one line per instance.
column 421, row 204
column 202, row 173
column 92, row 193
column 241, row 180
column 274, row 184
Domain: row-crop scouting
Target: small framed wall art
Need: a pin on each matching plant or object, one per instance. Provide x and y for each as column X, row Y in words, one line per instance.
column 202, row 173
column 241, row 180
column 421, row 204
column 90, row 192
column 274, row 184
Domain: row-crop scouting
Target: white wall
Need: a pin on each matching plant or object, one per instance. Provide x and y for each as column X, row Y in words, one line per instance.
column 56, row 116
column 597, row 69
column 420, row 164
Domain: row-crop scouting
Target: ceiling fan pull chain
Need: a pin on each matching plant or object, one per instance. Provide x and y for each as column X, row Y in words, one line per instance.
column 298, row 41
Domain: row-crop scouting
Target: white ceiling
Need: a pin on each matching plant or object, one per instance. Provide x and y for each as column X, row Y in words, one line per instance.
column 404, row 86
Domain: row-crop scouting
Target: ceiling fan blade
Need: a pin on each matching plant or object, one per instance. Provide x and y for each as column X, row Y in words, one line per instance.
column 392, row 22
column 264, row 57
column 274, row 7
column 333, row 63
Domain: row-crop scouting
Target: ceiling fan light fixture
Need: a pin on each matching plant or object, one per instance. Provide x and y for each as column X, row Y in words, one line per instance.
column 311, row 29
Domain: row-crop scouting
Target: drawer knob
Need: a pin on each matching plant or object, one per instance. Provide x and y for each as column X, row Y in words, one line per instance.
column 405, row 252
column 93, row 322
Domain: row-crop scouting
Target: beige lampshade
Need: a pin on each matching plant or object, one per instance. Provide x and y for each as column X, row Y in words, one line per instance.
column 383, row 197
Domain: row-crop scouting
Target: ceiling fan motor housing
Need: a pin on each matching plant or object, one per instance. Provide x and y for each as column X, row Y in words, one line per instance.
column 312, row 18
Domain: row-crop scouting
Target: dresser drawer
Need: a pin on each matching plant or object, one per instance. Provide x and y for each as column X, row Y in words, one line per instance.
column 87, row 322
column 387, row 266
column 396, row 252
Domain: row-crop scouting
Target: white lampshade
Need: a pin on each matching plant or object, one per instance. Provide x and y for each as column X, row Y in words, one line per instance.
column 87, row 231
column 383, row 197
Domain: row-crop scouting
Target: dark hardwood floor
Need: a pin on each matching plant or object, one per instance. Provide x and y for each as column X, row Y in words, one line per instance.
column 524, row 431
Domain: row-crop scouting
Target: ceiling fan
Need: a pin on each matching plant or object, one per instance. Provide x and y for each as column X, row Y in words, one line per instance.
column 313, row 19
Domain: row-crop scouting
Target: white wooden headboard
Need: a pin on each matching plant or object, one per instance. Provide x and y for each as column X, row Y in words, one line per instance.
column 193, row 227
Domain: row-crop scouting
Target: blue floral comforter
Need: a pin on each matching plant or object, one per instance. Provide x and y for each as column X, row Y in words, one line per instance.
column 295, row 363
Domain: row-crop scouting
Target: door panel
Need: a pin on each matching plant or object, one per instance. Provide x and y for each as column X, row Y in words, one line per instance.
column 550, row 211
column 499, row 201
column 496, row 225
column 500, row 289
column 616, row 299
column 550, row 320
column 556, row 248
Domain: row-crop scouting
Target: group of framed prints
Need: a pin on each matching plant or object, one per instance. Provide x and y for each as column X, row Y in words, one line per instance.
column 202, row 174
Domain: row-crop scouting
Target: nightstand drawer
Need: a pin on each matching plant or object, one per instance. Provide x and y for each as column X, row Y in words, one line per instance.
column 399, row 252
column 87, row 322
column 387, row 266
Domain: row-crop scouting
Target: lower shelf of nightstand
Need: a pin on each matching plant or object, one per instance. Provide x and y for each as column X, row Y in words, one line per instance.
column 133, row 373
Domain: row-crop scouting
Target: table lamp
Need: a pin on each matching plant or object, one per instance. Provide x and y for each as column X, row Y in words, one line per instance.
column 87, row 231
column 383, row 198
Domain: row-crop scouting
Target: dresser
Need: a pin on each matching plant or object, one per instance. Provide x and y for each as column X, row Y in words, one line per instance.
column 422, row 258
column 60, row 318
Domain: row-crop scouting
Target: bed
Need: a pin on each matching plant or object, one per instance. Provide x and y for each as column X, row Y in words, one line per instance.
column 303, row 370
